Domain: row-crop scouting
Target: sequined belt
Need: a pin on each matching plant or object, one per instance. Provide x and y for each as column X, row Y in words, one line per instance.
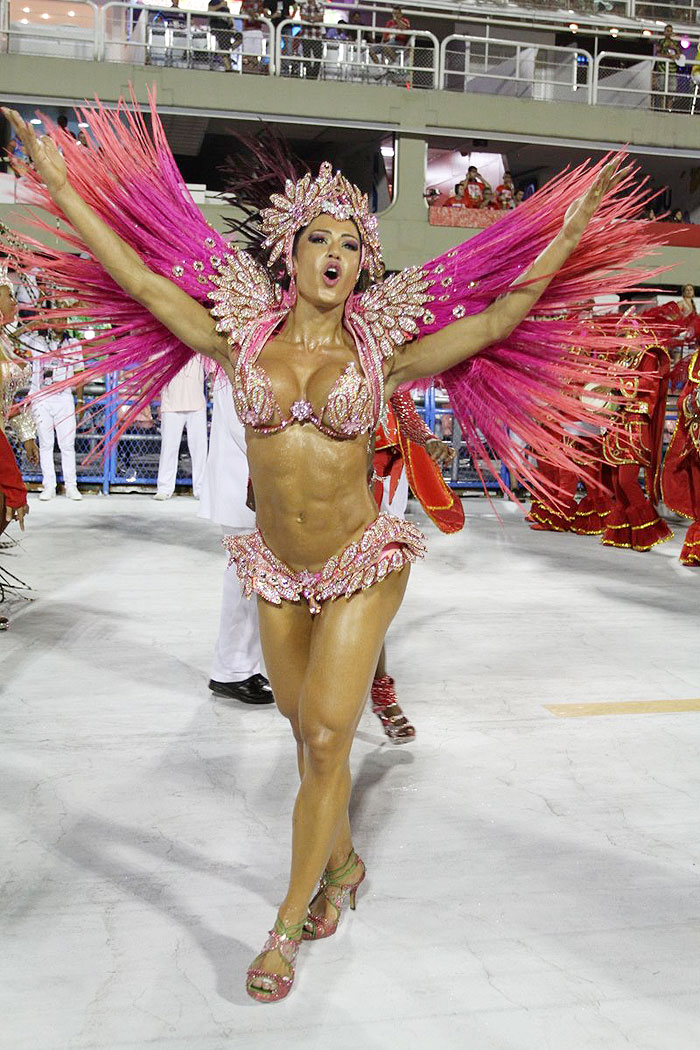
column 386, row 545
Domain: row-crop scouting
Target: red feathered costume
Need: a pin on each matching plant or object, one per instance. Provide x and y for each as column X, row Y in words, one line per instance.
column 635, row 441
column 401, row 442
column 680, row 478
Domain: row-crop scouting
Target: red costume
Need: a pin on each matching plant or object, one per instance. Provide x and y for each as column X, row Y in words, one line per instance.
column 586, row 518
column 400, row 442
column 633, row 442
column 12, row 490
column 680, row 478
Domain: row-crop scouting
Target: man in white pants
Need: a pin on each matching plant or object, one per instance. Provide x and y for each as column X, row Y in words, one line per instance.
column 54, row 413
column 183, row 406
column 236, row 670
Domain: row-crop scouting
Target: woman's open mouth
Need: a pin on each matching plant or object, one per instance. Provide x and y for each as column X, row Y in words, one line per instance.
column 331, row 274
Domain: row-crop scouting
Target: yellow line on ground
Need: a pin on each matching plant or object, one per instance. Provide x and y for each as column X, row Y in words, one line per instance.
column 622, row 707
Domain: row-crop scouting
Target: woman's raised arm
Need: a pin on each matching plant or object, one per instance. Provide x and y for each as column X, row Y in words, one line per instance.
column 179, row 312
column 440, row 351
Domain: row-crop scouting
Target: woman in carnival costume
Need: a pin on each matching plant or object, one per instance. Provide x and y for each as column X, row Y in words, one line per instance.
column 680, row 475
column 314, row 345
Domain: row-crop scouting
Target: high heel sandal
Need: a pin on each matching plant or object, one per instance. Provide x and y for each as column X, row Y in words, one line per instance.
column 285, row 940
column 332, row 889
column 396, row 726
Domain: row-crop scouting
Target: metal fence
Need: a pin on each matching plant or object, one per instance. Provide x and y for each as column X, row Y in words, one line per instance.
column 133, row 461
column 357, row 54
column 184, row 39
column 638, row 82
column 141, row 34
column 484, row 65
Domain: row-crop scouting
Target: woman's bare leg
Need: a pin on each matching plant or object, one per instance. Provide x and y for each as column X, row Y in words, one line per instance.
column 381, row 664
column 346, row 638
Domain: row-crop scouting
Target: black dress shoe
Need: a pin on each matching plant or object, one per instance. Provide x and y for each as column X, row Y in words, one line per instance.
column 254, row 690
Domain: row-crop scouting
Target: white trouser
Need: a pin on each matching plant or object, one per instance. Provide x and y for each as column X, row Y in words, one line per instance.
column 397, row 505
column 171, row 426
column 237, row 653
column 56, row 413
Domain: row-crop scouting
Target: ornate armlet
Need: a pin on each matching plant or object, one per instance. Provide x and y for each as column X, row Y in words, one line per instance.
column 410, row 423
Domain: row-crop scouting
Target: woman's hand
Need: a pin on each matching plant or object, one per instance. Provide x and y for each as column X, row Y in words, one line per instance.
column 440, row 452
column 581, row 211
column 32, row 451
column 17, row 514
column 43, row 152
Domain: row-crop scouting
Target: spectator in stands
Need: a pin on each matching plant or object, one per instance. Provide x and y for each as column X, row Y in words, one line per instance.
column 457, row 199
column 283, row 11
column 518, row 197
column 222, row 30
column 488, row 201
column 62, row 122
column 176, row 17
column 312, row 11
column 393, row 39
column 505, row 192
column 664, row 79
column 677, row 215
column 473, row 188
column 649, row 213
column 398, row 39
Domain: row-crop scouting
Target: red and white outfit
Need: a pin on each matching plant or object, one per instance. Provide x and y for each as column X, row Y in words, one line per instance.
column 54, row 413
column 237, row 653
column 183, row 407
column 401, row 462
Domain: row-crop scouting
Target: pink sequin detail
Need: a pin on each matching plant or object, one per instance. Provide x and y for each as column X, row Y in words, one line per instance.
column 349, row 408
column 386, row 545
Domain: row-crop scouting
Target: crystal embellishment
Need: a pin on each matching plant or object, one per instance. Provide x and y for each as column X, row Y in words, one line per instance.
column 301, row 411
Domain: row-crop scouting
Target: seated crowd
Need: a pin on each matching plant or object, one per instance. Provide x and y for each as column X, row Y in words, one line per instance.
column 475, row 192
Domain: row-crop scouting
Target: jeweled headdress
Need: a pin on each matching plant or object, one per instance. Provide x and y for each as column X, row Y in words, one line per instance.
column 305, row 200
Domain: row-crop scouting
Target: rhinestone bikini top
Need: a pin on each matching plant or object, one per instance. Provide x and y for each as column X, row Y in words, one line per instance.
column 348, row 411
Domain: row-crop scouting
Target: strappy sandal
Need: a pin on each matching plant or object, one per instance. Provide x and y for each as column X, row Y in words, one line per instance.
column 335, row 891
column 386, row 707
column 268, row 987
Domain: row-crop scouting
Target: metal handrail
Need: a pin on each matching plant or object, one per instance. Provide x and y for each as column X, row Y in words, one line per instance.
column 651, row 60
column 520, row 45
column 412, row 34
column 189, row 15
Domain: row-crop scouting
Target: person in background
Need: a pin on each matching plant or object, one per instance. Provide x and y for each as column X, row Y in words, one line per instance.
column 457, row 199
column 473, row 188
column 311, row 37
column 664, row 78
column 680, row 475
column 397, row 39
column 62, row 122
column 54, row 413
column 488, row 203
column 283, row 11
column 222, row 29
column 183, row 407
column 237, row 664
column 15, row 374
column 518, row 197
column 505, row 193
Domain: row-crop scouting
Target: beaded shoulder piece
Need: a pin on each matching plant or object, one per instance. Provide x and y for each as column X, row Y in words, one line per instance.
column 384, row 318
column 243, row 296
column 387, row 314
